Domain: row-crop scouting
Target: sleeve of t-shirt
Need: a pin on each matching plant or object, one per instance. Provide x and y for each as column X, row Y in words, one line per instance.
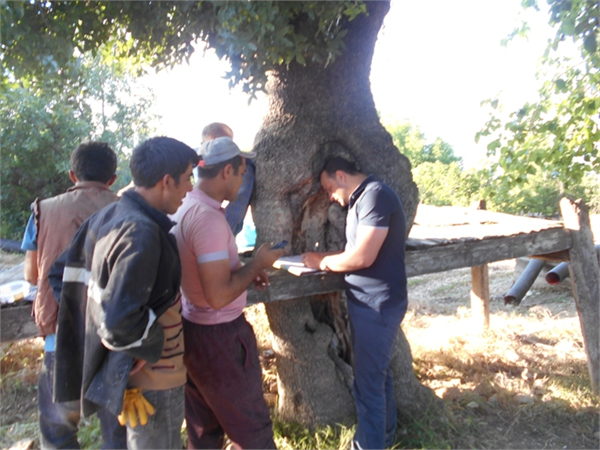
column 210, row 238
column 375, row 209
column 236, row 210
column 29, row 240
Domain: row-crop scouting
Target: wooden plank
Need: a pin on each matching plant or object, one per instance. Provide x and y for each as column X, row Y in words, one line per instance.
column 17, row 323
column 418, row 262
column 585, row 278
column 561, row 256
column 284, row 286
column 454, row 224
column 480, row 295
column 11, row 246
column 479, row 252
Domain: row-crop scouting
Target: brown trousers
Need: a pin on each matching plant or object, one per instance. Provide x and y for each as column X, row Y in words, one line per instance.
column 223, row 394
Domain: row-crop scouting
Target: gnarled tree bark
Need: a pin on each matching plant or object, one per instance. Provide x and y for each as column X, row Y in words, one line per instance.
column 316, row 112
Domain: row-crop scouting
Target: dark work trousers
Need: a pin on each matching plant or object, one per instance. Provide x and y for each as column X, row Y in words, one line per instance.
column 59, row 422
column 224, row 393
column 373, row 336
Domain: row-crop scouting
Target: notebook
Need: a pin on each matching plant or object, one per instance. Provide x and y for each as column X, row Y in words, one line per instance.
column 294, row 265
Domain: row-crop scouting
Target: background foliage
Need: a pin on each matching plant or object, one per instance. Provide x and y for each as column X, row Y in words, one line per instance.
column 43, row 44
column 443, row 181
column 542, row 151
column 560, row 132
column 44, row 120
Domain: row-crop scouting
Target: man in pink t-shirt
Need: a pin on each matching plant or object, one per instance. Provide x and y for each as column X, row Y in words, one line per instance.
column 223, row 393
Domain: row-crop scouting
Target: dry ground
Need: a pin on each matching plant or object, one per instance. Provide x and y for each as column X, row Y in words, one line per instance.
column 521, row 384
column 524, row 382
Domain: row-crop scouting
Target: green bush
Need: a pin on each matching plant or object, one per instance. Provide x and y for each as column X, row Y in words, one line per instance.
column 540, row 195
column 446, row 184
column 43, row 121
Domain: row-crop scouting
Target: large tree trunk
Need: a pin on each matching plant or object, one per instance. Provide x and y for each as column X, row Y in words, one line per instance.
column 315, row 113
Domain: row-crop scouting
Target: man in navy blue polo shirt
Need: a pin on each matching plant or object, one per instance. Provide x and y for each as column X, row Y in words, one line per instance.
column 373, row 261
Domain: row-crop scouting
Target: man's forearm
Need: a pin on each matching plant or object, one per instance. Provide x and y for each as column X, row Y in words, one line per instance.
column 237, row 284
column 30, row 268
column 368, row 243
column 344, row 262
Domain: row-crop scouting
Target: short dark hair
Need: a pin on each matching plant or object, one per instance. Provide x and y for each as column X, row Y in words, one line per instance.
column 209, row 172
column 216, row 129
column 159, row 156
column 335, row 163
column 94, row 161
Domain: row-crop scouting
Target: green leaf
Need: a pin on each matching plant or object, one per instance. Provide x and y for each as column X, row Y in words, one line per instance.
column 590, row 43
column 568, row 26
column 300, row 59
column 561, row 85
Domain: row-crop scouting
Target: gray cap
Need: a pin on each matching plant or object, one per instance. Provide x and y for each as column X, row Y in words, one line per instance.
column 221, row 149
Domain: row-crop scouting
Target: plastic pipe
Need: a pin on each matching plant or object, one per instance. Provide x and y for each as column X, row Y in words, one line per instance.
column 518, row 290
column 561, row 272
column 558, row 274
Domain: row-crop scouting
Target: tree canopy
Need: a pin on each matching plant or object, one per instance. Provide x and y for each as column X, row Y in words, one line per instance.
column 40, row 37
column 560, row 132
column 412, row 143
column 44, row 44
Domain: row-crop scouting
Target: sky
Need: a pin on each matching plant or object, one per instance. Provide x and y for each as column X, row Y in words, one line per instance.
column 434, row 62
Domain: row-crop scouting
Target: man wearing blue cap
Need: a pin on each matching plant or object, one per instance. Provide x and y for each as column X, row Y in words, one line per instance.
column 223, row 394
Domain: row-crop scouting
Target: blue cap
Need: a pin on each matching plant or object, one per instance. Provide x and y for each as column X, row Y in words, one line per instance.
column 221, row 149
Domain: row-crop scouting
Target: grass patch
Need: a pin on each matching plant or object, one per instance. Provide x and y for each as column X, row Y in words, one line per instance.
column 416, row 281
column 427, row 432
column 445, row 288
column 523, row 383
column 89, row 435
column 293, row 436
column 9, row 434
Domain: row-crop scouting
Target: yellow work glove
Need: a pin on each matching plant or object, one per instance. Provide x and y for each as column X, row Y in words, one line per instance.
column 134, row 402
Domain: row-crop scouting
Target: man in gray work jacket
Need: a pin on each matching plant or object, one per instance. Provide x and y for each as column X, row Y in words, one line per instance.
column 117, row 345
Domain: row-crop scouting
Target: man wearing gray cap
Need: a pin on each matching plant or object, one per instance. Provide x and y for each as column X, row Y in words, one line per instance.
column 223, row 394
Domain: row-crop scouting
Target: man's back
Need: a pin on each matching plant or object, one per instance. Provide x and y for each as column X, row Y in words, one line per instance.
column 50, row 230
column 375, row 204
column 57, row 220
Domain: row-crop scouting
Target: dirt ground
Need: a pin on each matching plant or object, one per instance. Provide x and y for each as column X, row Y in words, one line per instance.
column 524, row 382
column 521, row 384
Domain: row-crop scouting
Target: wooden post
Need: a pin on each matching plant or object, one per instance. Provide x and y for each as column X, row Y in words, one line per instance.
column 585, row 277
column 480, row 294
column 480, row 286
